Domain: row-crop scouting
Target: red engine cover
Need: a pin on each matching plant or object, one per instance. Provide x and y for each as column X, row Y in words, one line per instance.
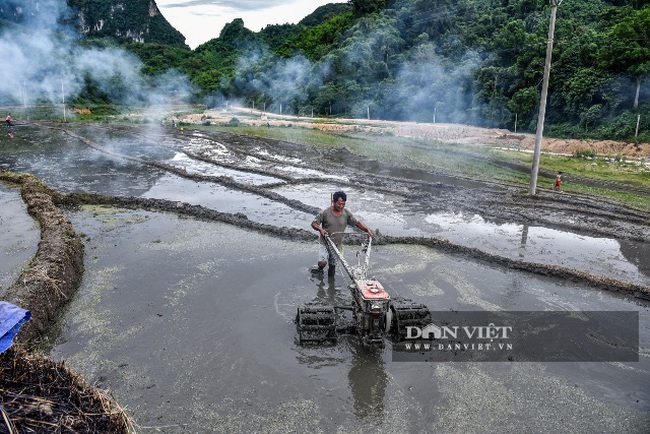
column 372, row 290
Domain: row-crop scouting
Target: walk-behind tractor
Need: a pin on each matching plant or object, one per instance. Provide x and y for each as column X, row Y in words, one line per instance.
column 375, row 314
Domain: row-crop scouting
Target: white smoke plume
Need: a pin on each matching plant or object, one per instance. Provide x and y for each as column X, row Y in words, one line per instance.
column 373, row 71
column 44, row 61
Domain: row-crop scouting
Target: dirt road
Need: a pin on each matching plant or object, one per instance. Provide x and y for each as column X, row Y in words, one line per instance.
column 449, row 133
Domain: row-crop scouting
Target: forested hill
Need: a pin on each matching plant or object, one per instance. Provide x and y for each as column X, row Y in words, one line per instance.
column 478, row 62
column 117, row 20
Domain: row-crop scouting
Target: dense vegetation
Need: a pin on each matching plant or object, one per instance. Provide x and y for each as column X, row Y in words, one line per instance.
column 478, row 62
column 122, row 21
column 125, row 21
column 468, row 61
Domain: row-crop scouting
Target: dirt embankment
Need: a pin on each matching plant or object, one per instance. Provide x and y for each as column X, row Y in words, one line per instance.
column 449, row 133
column 38, row 394
column 53, row 275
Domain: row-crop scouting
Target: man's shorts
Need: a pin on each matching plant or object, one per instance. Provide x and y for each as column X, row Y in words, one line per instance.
column 324, row 255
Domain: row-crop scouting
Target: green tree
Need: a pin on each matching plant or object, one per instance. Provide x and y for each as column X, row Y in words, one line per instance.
column 235, row 32
column 524, row 103
column 363, row 7
column 628, row 48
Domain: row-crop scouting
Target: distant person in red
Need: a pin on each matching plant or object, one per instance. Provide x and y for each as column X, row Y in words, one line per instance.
column 558, row 182
column 10, row 134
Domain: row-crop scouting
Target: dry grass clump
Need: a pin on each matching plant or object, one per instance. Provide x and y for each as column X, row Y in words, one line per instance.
column 42, row 396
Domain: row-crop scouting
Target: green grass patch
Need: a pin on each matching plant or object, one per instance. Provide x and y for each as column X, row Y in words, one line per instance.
column 608, row 168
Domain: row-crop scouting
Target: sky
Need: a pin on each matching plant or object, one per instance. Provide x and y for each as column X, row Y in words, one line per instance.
column 202, row 20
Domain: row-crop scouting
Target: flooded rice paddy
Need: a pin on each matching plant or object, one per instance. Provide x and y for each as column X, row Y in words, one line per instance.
column 190, row 323
column 19, row 235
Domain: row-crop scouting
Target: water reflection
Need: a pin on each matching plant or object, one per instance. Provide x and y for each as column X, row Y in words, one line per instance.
column 368, row 380
column 524, row 239
column 66, row 164
column 604, row 256
column 326, row 290
column 19, row 235
column 367, row 377
column 202, row 168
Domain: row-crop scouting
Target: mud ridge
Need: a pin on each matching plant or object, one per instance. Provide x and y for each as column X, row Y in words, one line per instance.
column 371, row 179
column 198, row 157
column 54, row 273
column 616, row 210
column 263, row 190
column 537, row 217
column 320, row 159
column 186, row 209
column 638, row 291
column 484, row 182
column 203, row 158
column 568, row 213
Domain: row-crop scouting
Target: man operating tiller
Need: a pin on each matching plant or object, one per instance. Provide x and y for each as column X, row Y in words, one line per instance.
column 333, row 221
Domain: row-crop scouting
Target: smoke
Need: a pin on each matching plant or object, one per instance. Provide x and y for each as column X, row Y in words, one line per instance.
column 44, row 61
column 284, row 83
column 427, row 85
column 388, row 65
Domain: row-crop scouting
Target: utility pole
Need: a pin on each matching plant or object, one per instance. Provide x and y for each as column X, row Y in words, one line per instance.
column 542, row 101
column 516, row 117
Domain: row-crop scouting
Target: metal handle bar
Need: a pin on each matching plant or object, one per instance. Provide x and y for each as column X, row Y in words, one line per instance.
column 356, row 273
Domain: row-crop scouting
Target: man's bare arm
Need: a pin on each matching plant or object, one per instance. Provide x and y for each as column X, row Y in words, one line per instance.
column 317, row 227
column 365, row 228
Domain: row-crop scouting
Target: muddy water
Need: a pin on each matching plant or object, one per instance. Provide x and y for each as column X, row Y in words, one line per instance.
column 69, row 165
column 222, row 199
column 539, row 244
column 190, row 325
column 192, row 166
column 19, row 235
column 396, row 215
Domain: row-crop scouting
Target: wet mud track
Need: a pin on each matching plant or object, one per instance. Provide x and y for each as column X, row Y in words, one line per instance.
column 187, row 315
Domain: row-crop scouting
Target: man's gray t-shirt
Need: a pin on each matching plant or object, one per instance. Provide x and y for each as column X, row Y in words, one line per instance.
column 332, row 223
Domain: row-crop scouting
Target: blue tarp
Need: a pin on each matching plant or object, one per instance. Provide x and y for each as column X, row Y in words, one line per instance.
column 11, row 318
